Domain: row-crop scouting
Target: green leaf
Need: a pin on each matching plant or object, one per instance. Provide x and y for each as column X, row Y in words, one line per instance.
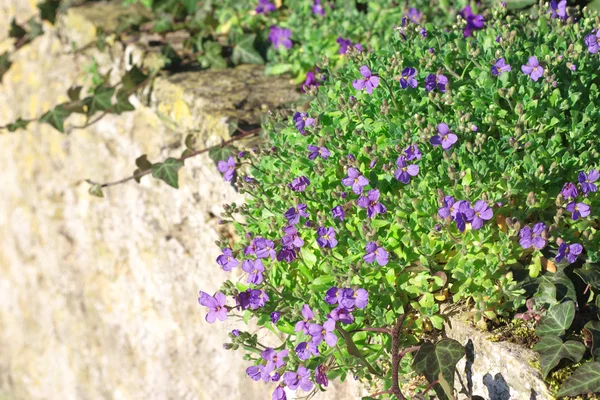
column 168, row 171
column 35, row 29
column 48, row 10
column 277, row 69
column 557, row 319
column 74, row 93
column 100, row 101
column 586, row 379
column 16, row 31
column 441, row 358
column 354, row 351
column 321, row 283
column 56, row 117
column 212, row 57
column 133, row 78
column 96, row 190
column 245, row 53
column 221, row 153
column 592, row 334
column 5, row 64
column 122, row 105
column 18, row 124
column 552, row 350
column 590, row 275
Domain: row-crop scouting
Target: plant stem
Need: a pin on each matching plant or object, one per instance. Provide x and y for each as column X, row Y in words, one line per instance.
column 380, row 330
column 391, row 93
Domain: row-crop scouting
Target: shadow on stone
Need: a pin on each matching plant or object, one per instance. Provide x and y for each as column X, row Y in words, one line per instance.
column 497, row 387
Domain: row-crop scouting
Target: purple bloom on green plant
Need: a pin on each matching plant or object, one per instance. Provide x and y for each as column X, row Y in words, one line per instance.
column 445, row 138
column 482, row 213
column 408, row 78
column 356, row 180
column 265, row 248
column 308, row 315
column 216, row 307
column 405, row 171
column 293, row 214
column 258, row 298
column 412, row 153
column 448, row 208
column 570, row 251
column 318, row 151
column 287, row 254
column 587, row 181
column 414, row 15
column 578, row 210
column 300, row 379
column 305, row 350
column 321, row 375
column 369, row 81
column 533, row 69
column 371, row 203
column 499, row 67
column 569, row 191
column 227, row 261
column 227, row 168
column 254, row 268
column 331, row 295
column 265, row 7
column 318, row 9
column 326, row 237
column 280, row 37
column 533, row 237
column 275, row 316
column 474, row 22
column 436, row 81
column 341, row 314
column 592, row 41
column 291, row 238
column 257, row 372
column 301, row 121
column 279, row 394
column 299, row 184
column 375, row 253
column 558, row 9
column 323, row 332
column 338, row 212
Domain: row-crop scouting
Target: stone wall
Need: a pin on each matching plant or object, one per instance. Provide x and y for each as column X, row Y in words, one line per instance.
column 98, row 297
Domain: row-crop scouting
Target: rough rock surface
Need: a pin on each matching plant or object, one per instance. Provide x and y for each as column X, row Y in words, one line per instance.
column 98, row 296
column 500, row 370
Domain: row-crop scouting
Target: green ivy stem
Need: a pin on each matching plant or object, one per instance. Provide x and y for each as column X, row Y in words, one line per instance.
column 190, row 155
column 391, row 93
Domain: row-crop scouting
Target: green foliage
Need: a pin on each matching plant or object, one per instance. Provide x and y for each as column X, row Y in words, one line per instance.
column 586, row 379
column 167, row 171
column 439, row 359
column 592, row 334
column 557, row 320
column 552, row 350
column 56, row 117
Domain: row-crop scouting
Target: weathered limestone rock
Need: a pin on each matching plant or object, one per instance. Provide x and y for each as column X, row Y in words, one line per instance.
column 500, row 370
column 98, row 296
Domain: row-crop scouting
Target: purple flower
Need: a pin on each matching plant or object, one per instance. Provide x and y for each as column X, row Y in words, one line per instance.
column 227, row 168
column 375, row 253
column 369, row 82
column 331, row 295
column 436, row 81
column 448, row 207
column 318, row 151
column 301, row 121
column 305, row 350
column 371, row 204
column 356, row 180
column 299, row 184
column 276, row 376
column 344, row 44
column 558, row 9
column 275, row 360
column 405, row 171
column 474, row 22
column 423, row 32
column 216, row 307
column 361, row 298
column 463, row 214
column 279, row 394
column 569, row 191
column 412, row 153
column 275, row 316
column 579, row 210
column 500, row 67
column 341, row 314
column 254, row 269
column 324, row 332
column 293, row 214
column 280, row 37
column 257, row 298
column 533, row 237
column 593, row 42
column 350, row 298
column 235, row 332
column 308, row 315
column 291, row 239
column 287, row 254
column 408, row 78
column 326, row 237
column 586, row 181
column 310, row 80
column 226, row 260
column 570, row 251
column 318, row 8
column 257, row 372
column 265, row 7
column 533, row 69
column 414, row 15
column 482, row 213
column 300, row 379
column 338, row 212
column 264, row 248
column 445, row 137
column 321, row 375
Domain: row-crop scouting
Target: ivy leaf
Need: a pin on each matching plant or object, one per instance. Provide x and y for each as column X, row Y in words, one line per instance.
column 16, row 31
column 48, row 10
column 557, row 319
column 441, row 358
column 565, row 290
column 96, row 190
column 590, row 275
column 5, row 64
column 123, row 104
column 552, row 350
column 35, row 29
column 168, row 171
column 18, row 124
column 586, row 379
column 100, row 101
column 591, row 332
column 212, row 56
column 133, row 78
column 74, row 93
column 221, row 153
column 56, row 117
column 245, row 53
